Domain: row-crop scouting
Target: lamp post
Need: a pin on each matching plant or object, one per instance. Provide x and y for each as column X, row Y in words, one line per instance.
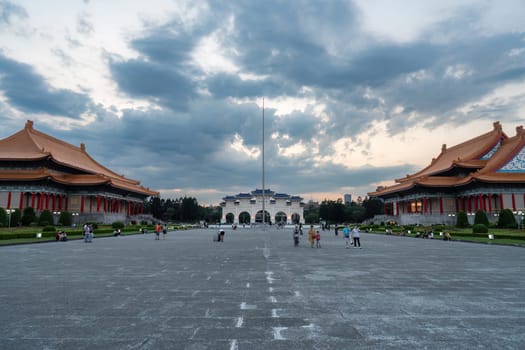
column 520, row 214
column 9, row 211
column 56, row 214
column 75, row 215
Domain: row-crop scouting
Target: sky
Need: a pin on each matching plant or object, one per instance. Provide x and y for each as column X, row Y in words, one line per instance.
column 171, row 93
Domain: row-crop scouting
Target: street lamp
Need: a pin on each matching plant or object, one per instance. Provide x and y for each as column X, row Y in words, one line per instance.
column 74, row 219
column 520, row 214
column 9, row 211
column 56, row 213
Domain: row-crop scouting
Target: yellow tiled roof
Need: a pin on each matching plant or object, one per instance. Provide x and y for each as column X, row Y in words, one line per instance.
column 31, row 144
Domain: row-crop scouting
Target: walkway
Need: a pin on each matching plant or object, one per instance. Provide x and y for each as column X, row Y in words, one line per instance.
column 256, row 291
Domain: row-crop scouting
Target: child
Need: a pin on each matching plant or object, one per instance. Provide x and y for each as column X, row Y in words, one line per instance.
column 318, row 239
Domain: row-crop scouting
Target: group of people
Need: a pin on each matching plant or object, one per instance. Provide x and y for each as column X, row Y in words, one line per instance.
column 88, row 233
column 158, row 229
column 61, row 236
column 352, row 237
column 314, row 237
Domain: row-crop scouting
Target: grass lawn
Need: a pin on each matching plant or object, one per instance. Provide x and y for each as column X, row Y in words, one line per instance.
column 72, row 234
column 501, row 236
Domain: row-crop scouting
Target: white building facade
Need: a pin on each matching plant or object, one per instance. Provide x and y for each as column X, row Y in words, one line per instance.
column 247, row 208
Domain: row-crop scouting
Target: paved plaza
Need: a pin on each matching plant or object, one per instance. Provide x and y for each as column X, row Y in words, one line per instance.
column 257, row 291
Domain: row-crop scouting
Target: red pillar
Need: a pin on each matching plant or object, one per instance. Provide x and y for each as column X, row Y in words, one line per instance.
column 490, row 203
column 9, row 200
column 397, row 208
column 32, row 199
column 21, row 205
column 513, row 202
column 501, row 202
column 81, row 204
column 481, row 203
column 47, row 201
column 441, row 205
column 457, row 205
column 98, row 203
column 60, row 202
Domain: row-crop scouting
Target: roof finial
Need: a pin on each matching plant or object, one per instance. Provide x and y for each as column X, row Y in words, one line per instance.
column 497, row 126
column 29, row 125
column 444, row 148
column 520, row 131
column 83, row 148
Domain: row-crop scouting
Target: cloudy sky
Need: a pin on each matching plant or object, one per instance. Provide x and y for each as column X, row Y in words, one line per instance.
column 170, row 92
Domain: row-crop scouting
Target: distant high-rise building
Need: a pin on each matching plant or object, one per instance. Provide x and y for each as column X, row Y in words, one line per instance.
column 348, row 198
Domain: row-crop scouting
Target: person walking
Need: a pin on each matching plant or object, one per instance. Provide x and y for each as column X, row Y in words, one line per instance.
column 296, row 236
column 311, row 236
column 158, row 228
column 164, row 232
column 346, row 233
column 318, row 239
column 356, row 234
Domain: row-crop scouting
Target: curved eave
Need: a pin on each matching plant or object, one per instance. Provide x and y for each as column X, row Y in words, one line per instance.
column 139, row 190
column 501, row 177
column 26, row 157
column 93, row 172
column 71, row 180
column 392, row 189
column 473, row 164
column 466, row 152
column 23, row 177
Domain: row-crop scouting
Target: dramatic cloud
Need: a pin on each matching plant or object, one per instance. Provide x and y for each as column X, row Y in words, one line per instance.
column 356, row 93
column 29, row 92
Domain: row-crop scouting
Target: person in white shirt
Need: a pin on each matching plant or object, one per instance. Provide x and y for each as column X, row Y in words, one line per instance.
column 355, row 234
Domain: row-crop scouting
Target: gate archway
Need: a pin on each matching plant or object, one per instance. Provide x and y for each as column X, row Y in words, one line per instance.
column 280, row 218
column 244, row 218
column 258, row 217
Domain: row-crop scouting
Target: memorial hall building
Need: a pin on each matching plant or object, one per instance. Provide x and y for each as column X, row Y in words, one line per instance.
column 486, row 172
column 247, row 208
column 42, row 172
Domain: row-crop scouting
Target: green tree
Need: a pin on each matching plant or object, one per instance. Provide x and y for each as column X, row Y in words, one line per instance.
column 46, row 218
column 65, row 219
column 311, row 214
column 373, row 206
column 15, row 218
column 190, row 209
column 212, row 214
column 462, row 219
column 155, row 207
column 3, row 217
column 506, row 219
column 28, row 216
column 358, row 213
column 481, row 218
column 332, row 211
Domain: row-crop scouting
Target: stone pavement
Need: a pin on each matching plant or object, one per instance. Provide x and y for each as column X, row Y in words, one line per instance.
column 256, row 291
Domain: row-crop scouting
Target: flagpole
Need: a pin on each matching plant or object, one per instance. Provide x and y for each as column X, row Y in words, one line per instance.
column 263, row 200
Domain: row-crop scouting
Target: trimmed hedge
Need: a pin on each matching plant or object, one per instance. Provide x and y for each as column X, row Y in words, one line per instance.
column 480, row 228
